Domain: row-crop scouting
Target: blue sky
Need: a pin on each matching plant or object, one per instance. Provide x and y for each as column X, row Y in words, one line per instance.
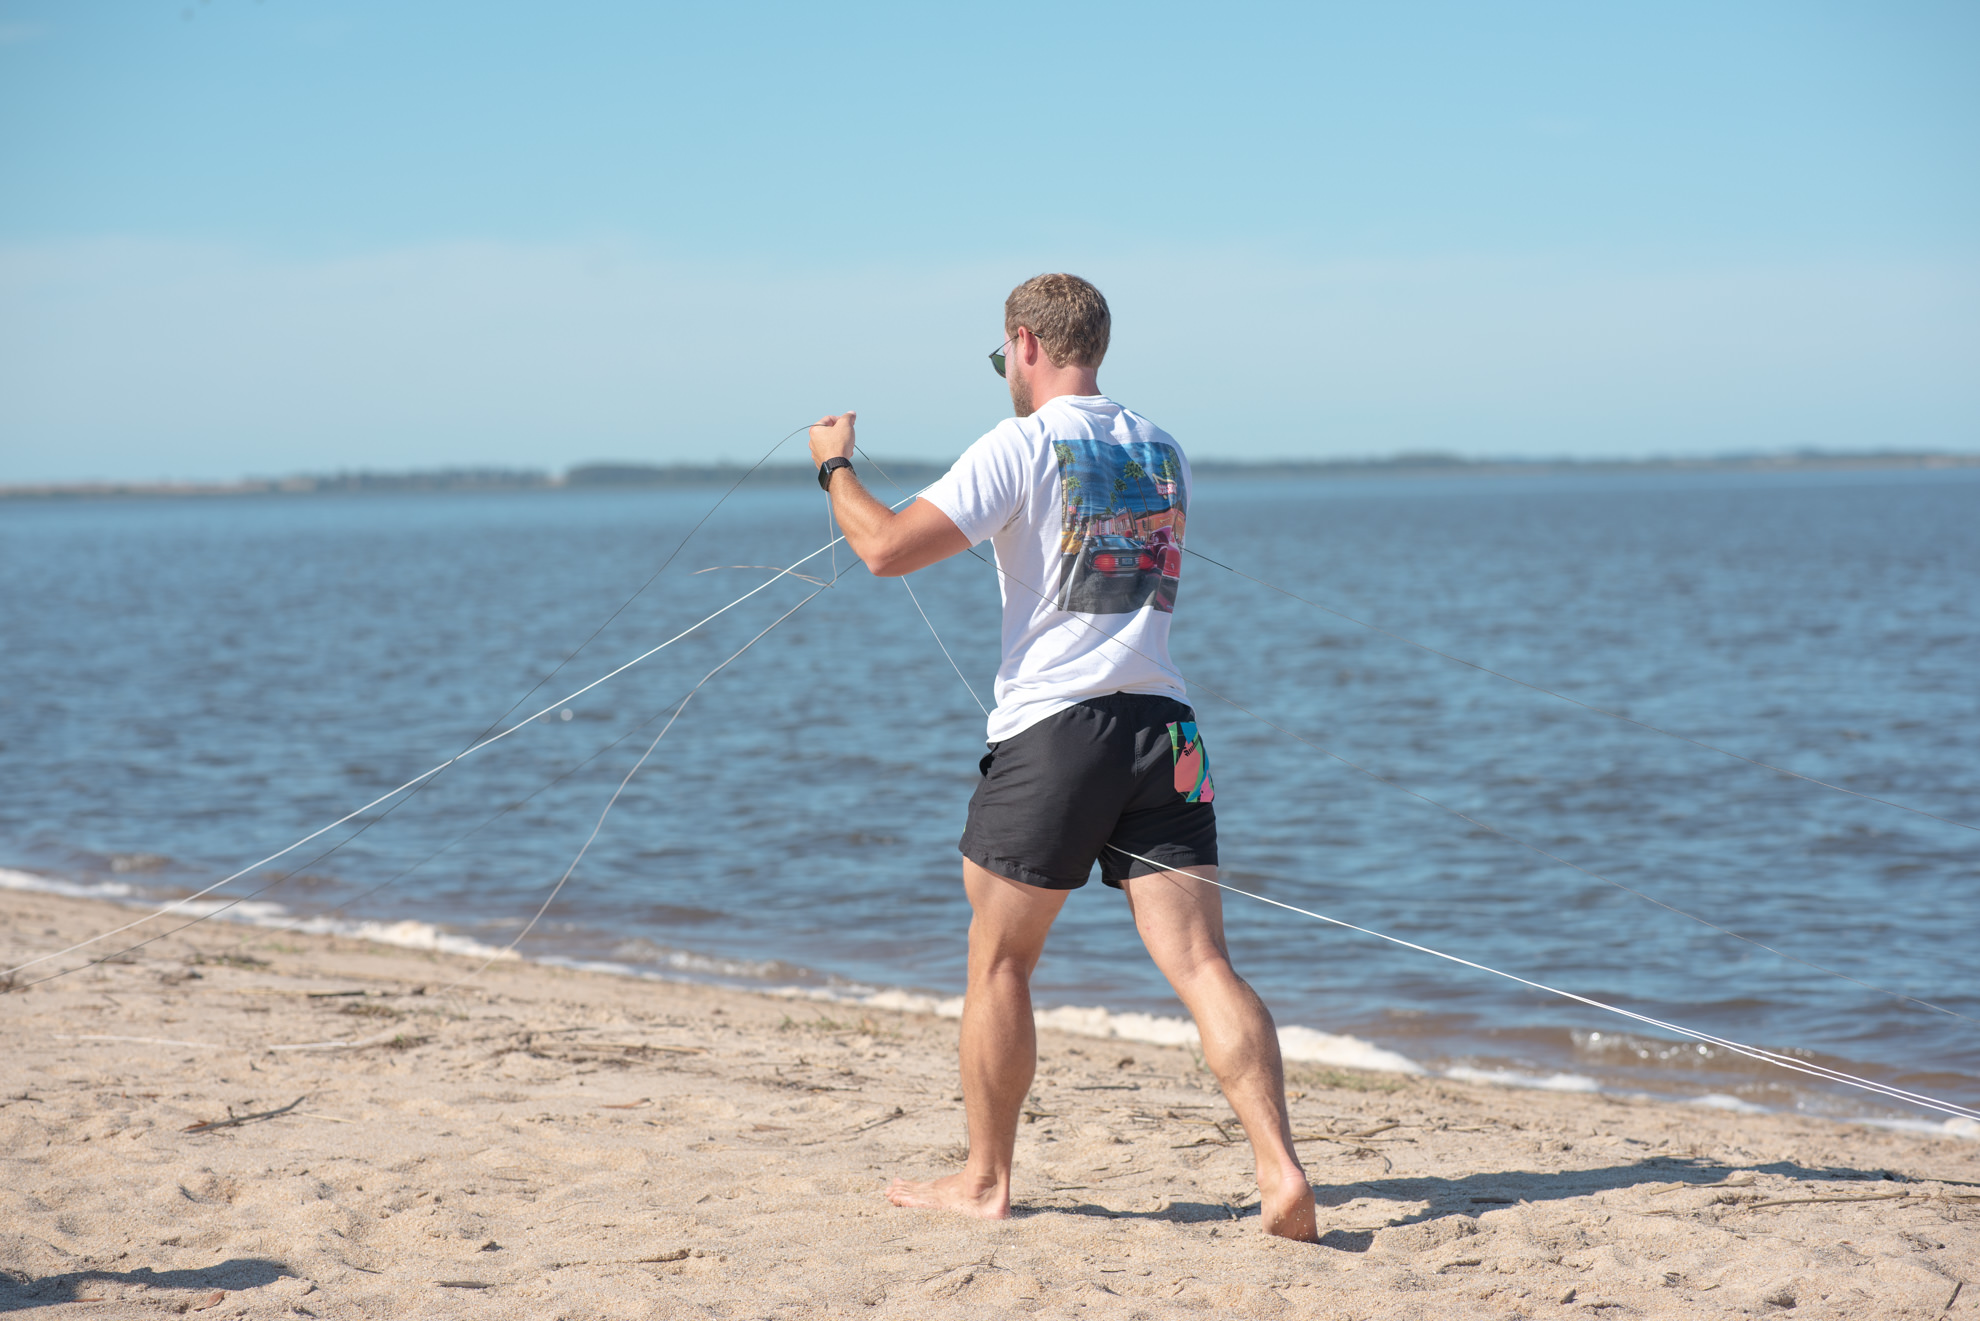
column 303, row 235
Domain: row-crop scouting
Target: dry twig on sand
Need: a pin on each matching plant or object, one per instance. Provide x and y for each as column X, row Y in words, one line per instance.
column 232, row 1119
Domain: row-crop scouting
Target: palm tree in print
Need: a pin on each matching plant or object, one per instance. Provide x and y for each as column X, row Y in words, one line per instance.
column 1073, row 486
column 1132, row 471
column 1073, row 524
column 1070, row 486
column 1072, row 528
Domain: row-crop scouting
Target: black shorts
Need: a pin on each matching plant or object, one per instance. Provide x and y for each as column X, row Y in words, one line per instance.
column 1127, row 770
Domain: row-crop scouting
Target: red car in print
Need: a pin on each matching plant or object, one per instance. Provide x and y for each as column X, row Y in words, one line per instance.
column 1168, row 554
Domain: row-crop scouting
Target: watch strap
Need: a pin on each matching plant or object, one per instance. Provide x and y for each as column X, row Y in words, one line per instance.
column 827, row 468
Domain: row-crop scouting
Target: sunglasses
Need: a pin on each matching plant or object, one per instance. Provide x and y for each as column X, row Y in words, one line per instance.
column 997, row 358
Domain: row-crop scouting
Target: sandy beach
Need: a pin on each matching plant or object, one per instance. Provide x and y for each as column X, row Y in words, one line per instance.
column 551, row 1143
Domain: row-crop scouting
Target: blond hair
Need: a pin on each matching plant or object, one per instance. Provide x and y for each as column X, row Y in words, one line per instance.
column 1068, row 315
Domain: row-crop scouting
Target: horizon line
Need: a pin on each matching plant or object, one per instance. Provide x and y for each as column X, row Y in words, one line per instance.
column 610, row 474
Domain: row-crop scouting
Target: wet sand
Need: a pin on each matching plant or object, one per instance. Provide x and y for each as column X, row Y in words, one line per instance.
column 548, row 1143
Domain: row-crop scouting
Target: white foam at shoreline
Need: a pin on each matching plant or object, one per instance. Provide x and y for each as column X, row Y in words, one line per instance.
column 1298, row 1044
column 1302, row 1045
column 949, row 1006
column 1307, row 1046
column 1553, row 1082
column 1721, row 1101
column 410, row 935
column 1966, row 1129
column 20, row 880
column 407, row 933
column 1154, row 1029
column 679, row 966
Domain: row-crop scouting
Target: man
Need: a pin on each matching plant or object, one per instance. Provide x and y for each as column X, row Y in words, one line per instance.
column 1094, row 756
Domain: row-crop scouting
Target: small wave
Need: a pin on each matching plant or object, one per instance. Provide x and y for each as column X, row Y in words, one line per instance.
column 605, row 966
column 1154, row 1029
column 654, row 963
column 1721, row 1101
column 946, row 1006
column 1967, row 1129
column 20, row 880
column 709, row 965
column 906, row 1002
column 1302, row 1045
column 1553, row 1082
column 407, row 933
column 255, row 912
column 1310, row 1047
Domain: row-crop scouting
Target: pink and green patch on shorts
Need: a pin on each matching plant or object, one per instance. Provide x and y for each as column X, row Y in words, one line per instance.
column 1192, row 763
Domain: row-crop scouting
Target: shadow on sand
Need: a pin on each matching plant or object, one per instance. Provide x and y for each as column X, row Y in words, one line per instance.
column 19, row 1295
column 1475, row 1193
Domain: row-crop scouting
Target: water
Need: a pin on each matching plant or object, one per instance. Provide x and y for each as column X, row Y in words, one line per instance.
column 192, row 684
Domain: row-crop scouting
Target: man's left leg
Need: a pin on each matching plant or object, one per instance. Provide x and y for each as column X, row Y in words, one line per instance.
column 1007, row 933
column 1181, row 920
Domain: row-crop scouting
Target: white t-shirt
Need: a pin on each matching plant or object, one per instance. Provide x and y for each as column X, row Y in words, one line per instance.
column 1084, row 501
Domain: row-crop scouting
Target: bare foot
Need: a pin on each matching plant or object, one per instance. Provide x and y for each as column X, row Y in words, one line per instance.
column 967, row 1194
column 1285, row 1206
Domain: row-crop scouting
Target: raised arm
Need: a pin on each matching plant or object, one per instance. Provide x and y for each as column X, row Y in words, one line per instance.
column 892, row 544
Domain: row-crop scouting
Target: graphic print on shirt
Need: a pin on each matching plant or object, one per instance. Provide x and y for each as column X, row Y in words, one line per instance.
column 1120, row 545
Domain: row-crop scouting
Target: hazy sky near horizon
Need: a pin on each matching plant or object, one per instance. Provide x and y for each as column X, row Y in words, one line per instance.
column 306, row 235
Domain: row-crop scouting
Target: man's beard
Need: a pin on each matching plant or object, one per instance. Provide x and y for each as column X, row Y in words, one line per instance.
column 1021, row 395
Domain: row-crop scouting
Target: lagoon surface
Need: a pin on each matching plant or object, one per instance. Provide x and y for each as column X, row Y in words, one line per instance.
column 191, row 684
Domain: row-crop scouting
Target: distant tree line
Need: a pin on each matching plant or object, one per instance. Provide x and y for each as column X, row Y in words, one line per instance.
column 910, row 475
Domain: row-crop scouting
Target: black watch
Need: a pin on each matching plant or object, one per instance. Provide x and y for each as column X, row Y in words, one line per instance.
column 827, row 468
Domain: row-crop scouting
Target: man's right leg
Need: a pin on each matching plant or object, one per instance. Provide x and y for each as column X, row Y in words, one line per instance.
column 1007, row 932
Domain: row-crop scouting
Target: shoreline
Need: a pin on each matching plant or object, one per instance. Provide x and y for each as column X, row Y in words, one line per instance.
column 1299, row 1044
column 548, row 1141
